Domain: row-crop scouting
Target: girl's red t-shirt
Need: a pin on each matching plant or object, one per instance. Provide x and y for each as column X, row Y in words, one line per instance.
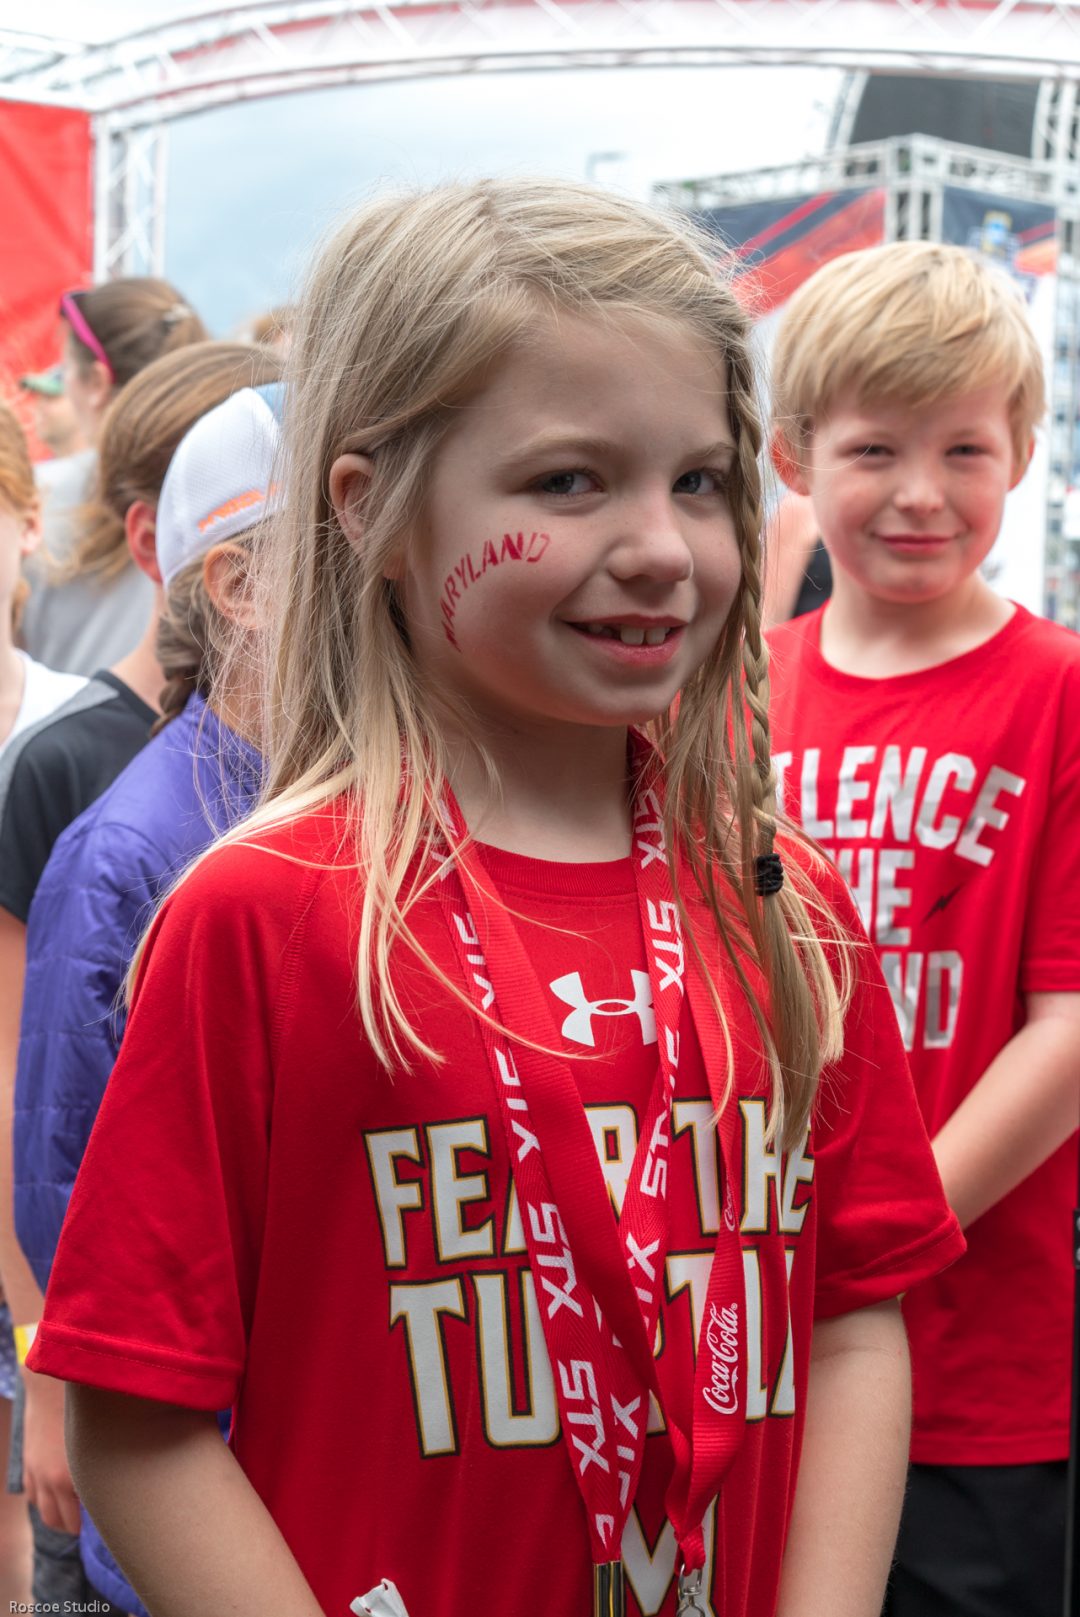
column 951, row 801
column 266, row 1219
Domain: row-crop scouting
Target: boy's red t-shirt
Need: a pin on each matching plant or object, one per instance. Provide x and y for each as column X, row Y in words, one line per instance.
column 951, row 801
column 266, row 1219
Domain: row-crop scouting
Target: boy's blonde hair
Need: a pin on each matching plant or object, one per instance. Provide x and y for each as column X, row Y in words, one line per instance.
column 911, row 324
column 408, row 310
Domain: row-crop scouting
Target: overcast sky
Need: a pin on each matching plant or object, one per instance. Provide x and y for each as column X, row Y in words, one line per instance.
column 251, row 188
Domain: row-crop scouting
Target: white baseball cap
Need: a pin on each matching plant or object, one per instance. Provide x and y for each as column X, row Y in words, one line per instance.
column 223, row 478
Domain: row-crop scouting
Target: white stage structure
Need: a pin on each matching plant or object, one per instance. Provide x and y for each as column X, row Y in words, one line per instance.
column 135, row 85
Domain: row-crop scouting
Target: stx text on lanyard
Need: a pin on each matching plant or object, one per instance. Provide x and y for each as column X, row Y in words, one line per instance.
column 598, row 1282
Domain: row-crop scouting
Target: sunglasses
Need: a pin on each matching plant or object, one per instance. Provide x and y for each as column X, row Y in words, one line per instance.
column 80, row 326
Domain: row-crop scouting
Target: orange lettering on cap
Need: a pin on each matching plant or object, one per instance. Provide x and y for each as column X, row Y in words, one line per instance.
column 239, row 502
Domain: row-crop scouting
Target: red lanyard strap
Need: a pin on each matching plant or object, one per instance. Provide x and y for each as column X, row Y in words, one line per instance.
column 600, row 1284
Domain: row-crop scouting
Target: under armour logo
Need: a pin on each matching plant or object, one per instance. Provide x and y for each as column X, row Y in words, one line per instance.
column 578, row 1025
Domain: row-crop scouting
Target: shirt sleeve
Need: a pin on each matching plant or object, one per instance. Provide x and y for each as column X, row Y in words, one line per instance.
column 1050, row 961
column 152, row 1290
column 36, row 808
column 93, row 900
column 883, row 1221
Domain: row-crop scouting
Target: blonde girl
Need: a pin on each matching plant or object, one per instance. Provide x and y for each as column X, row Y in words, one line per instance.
column 474, row 1143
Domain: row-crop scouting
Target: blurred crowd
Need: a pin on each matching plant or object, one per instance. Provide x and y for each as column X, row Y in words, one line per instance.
column 96, row 652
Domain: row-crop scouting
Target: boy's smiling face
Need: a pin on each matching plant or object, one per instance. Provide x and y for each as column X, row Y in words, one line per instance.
column 910, row 498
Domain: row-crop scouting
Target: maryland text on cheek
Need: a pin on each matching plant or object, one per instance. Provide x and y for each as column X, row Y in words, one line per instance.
column 470, row 568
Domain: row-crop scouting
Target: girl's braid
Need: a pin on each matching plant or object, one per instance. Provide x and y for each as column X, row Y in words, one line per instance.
column 755, row 655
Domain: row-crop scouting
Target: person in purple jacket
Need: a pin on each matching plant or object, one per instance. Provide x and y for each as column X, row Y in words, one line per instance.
column 107, row 872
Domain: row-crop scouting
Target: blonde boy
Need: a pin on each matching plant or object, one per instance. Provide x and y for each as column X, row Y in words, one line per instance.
column 927, row 732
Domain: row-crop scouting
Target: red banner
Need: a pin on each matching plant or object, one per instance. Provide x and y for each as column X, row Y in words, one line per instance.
column 778, row 243
column 46, row 230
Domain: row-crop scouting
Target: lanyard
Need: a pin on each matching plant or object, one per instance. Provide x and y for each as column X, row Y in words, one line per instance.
column 600, row 1284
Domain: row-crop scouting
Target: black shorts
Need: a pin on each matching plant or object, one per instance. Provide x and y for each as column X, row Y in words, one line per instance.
column 981, row 1541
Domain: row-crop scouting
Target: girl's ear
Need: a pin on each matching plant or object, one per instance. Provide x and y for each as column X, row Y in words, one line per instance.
column 31, row 534
column 787, row 466
column 226, row 575
column 97, row 385
column 140, row 528
column 350, row 476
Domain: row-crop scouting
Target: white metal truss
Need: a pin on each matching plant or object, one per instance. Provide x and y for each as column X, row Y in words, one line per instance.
column 129, row 200
column 909, row 162
column 246, row 51
column 846, row 109
column 1057, row 122
column 136, row 84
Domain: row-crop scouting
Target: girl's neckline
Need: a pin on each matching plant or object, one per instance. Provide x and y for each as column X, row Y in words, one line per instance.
column 961, row 663
column 555, row 877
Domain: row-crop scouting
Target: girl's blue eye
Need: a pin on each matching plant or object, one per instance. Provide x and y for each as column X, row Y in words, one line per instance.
column 699, row 481
column 565, row 484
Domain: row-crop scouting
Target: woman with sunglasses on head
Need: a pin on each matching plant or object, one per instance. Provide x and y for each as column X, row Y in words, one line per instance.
column 89, row 604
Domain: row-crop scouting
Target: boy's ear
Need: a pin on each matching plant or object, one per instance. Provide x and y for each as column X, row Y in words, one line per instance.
column 1022, row 466
column 226, row 575
column 787, row 465
column 140, row 528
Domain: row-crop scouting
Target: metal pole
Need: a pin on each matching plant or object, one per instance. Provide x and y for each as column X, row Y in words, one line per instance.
column 157, row 201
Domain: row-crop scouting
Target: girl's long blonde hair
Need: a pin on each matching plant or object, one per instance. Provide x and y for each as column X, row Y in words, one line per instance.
column 408, row 308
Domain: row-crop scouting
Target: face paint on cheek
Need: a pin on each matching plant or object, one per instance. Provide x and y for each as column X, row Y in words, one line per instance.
column 448, row 605
column 470, row 568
